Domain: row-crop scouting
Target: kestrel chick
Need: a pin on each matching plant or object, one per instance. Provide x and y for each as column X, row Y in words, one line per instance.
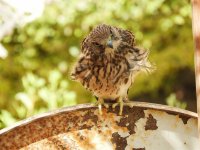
column 108, row 63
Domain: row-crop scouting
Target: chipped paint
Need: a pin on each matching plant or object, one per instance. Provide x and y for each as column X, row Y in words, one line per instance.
column 143, row 127
column 151, row 123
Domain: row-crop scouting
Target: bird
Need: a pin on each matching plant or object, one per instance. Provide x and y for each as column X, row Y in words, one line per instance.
column 108, row 63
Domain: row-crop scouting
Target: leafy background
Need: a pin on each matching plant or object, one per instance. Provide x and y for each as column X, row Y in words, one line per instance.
column 34, row 77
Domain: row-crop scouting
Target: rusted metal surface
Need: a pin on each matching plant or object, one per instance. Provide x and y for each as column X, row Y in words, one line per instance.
column 196, row 35
column 143, row 127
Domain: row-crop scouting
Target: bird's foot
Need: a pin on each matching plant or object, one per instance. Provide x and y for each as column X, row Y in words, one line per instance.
column 127, row 102
column 120, row 103
column 99, row 103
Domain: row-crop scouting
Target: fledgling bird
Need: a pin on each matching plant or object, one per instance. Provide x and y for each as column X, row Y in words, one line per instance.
column 108, row 64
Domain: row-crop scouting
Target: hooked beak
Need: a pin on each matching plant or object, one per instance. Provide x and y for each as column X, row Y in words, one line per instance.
column 110, row 43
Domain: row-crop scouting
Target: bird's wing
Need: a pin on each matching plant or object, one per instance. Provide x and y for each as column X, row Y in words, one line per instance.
column 139, row 61
column 81, row 68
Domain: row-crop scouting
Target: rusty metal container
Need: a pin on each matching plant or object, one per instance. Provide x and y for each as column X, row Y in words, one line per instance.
column 143, row 126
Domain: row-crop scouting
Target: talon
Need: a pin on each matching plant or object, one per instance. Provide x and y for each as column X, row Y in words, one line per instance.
column 100, row 110
column 99, row 103
column 120, row 103
column 127, row 102
column 120, row 106
column 114, row 105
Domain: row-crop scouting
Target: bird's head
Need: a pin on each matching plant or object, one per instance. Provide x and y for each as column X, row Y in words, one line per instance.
column 107, row 39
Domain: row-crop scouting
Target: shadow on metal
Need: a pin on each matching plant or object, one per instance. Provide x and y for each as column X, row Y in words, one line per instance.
column 143, row 127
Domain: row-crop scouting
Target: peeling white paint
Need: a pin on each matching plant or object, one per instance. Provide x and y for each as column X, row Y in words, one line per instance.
column 150, row 129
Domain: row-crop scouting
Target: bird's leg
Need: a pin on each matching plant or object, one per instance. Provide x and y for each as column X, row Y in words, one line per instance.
column 120, row 103
column 99, row 103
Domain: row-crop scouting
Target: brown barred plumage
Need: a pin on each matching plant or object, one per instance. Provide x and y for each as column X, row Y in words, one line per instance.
column 108, row 63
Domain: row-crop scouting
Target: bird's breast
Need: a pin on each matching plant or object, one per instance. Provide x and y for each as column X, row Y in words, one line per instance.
column 106, row 79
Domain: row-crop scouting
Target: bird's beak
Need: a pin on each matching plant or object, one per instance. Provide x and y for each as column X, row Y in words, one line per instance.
column 110, row 43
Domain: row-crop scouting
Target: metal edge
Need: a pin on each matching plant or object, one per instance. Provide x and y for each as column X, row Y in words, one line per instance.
column 153, row 106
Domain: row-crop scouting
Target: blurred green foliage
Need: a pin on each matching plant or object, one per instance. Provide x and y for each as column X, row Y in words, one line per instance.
column 35, row 76
column 173, row 101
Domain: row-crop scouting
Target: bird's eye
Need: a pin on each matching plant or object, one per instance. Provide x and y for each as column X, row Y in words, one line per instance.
column 112, row 36
column 96, row 44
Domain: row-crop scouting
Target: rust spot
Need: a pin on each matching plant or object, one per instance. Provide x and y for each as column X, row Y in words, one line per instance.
column 138, row 148
column 99, row 131
column 151, row 123
column 88, row 120
column 184, row 118
column 120, row 142
column 80, row 136
column 133, row 116
column 83, row 141
column 59, row 144
column 85, row 126
column 90, row 116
